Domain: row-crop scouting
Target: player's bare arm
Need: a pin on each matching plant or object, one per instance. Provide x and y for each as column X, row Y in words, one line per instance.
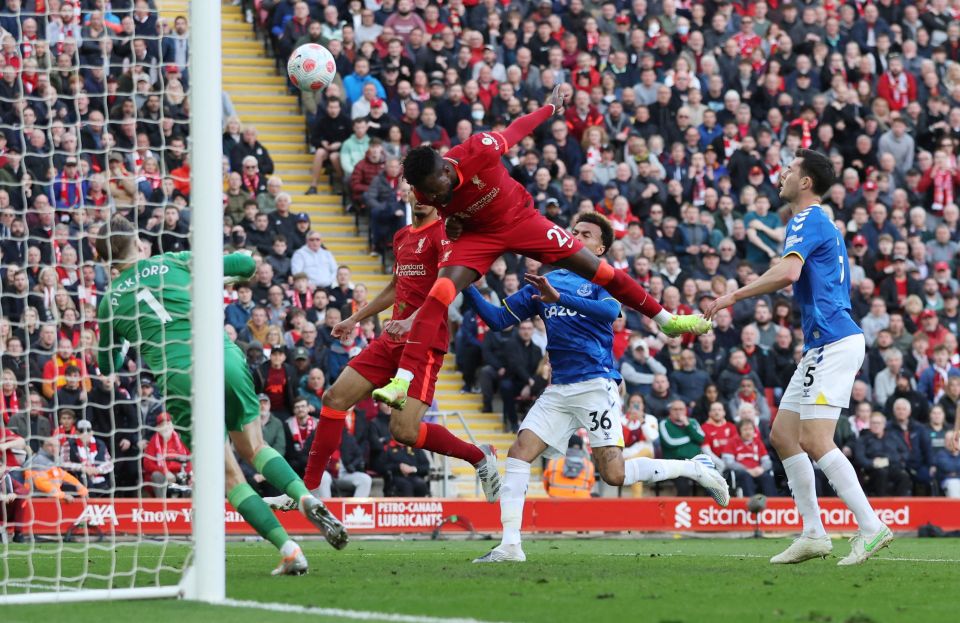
column 779, row 276
column 381, row 302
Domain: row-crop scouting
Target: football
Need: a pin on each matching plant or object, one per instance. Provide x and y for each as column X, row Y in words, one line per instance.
column 311, row 67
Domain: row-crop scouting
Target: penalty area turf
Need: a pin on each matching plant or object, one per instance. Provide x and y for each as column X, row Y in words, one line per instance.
column 644, row 579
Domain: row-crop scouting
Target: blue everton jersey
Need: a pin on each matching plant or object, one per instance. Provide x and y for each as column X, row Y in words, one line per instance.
column 823, row 289
column 579, row 326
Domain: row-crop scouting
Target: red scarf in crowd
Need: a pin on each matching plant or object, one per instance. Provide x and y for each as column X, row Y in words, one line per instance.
column 940, row 376
column 9, row 405
column 898, row 89
column 749, row 399
column 251, row 183
column 806, row 136
column 699, row 188
column 301, row 433
column 307, row 301
column 942, row 189
column 729, row 146
column 773, row 174
column 67, row 197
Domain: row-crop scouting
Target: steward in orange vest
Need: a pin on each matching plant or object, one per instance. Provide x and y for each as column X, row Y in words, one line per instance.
column 571, row 476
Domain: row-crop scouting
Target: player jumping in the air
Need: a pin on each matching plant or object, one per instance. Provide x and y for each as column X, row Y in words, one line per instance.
column 584, row 392
column 490, row 213
column 418, row 248
column 147, row 307
column 815, row 263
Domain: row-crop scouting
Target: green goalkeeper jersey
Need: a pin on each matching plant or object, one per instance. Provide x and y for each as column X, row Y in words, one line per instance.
column 147, row 307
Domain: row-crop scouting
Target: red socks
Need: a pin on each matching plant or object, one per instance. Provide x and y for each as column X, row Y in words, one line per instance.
column 626, row 290
column 326, row 441
column 430, row 316
column 436, row 438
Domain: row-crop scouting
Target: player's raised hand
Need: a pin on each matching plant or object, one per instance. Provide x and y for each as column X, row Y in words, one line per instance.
column 548, row 294
column 343, row 328
column 717, row 304
column 559, row 98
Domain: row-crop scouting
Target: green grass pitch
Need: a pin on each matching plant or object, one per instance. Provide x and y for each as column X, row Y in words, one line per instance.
column 657, row 580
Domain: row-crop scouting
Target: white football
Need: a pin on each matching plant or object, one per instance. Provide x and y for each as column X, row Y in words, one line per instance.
column 311, row 67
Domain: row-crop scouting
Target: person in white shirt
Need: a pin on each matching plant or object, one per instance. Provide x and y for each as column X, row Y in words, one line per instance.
column 316, row 262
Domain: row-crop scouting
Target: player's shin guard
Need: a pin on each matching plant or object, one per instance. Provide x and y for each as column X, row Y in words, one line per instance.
column 626, row 290
column 512, row 496
column 844, row 480
column 430, row 315
column 256, row 512
column 436, row 438
column 325, row 442
column 279, row 473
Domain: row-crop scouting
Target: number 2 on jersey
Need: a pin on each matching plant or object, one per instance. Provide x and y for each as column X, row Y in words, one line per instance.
column 561, row 237
column 147, row 297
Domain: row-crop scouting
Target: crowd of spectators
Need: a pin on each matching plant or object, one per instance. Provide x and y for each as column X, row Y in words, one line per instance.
column 682, row 116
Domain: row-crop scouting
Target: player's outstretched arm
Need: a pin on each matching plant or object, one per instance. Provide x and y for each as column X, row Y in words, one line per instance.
column 499, row 318
column 380, row 302
column 605, row 310
column 779, row 276
column 525, row 125
column 240, row 265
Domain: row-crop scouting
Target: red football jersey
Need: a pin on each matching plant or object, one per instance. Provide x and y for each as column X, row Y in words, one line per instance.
column 720, row 437
column 10, row 459
column 418, row 252
column 748, row 454
column 486, row 197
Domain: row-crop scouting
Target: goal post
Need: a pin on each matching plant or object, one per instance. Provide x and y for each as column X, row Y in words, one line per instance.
column 80, row 548
column 207, row 581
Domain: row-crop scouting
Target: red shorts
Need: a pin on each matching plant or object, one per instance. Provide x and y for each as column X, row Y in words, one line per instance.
column 378, row 362
column 532, row 236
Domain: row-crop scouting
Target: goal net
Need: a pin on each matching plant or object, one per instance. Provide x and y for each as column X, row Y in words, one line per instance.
column 97, row 119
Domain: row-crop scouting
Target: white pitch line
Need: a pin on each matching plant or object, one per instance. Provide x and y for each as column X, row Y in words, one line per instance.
column 682, row 555
column 355, row 615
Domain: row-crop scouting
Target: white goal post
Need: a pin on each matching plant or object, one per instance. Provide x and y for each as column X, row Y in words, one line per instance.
column 207, row 580
column 201, row 574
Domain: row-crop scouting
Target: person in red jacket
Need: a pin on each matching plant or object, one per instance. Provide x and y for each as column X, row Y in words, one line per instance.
column 164, row 456
column 366, row 171
column 895, row 85
column 720, row 432
column 746, row 456
column 581, row 115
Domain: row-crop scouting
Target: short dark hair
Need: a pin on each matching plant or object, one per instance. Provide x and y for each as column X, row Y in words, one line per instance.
column 115, row 239
column 606, row 229
column 420, row 162
column 817, row 167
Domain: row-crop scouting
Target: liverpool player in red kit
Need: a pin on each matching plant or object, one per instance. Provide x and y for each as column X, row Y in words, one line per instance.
column 418, row 248
column 495, row 214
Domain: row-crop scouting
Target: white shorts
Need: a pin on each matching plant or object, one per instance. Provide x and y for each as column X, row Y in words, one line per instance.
column 564, row 409
column 823, row 381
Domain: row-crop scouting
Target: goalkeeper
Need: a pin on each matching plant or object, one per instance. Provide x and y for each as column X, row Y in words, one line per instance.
column 147, row 307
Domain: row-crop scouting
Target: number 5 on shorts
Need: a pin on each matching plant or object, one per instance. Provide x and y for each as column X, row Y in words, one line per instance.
column 808, row 377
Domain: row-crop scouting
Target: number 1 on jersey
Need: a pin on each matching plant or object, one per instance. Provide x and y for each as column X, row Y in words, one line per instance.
column 147, row 297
